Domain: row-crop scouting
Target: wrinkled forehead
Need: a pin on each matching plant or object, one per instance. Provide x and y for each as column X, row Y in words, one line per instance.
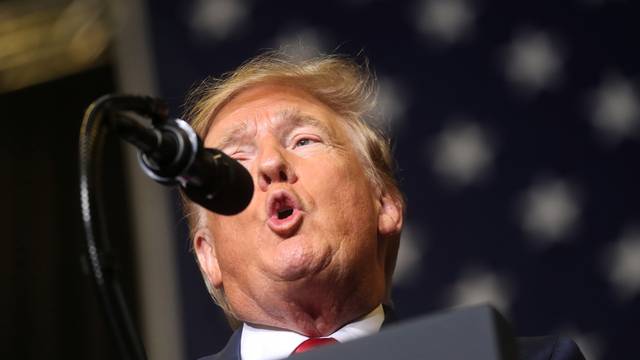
column 270, row 107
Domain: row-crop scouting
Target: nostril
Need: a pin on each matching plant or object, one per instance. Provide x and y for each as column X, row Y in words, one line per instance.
column 283, row 175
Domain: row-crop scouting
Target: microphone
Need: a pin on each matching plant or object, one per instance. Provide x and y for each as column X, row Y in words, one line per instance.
column 171, row 153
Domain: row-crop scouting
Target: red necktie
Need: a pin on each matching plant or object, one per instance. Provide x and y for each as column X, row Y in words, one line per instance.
column 313, row 343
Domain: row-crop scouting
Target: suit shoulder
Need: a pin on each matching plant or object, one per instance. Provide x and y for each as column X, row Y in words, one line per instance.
column 231, row 351
column 548, row 348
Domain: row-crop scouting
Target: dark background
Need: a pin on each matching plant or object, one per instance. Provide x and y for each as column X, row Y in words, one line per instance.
column 51, row 309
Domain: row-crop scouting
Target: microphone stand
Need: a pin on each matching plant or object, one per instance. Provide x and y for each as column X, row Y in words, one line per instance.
column 171, row 153
column 101, row 265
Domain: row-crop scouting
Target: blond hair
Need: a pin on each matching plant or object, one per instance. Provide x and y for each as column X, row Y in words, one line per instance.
column 342, row 84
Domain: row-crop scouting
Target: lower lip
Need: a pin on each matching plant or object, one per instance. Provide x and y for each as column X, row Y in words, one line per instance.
column 286, row 226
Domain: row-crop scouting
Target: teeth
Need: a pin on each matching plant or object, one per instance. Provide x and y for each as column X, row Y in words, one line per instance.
column 284, row 213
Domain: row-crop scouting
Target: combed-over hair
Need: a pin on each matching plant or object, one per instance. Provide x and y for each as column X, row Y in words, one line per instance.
column 342, row 84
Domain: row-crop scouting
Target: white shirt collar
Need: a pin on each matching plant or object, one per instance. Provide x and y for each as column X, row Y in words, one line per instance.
column 266, row 344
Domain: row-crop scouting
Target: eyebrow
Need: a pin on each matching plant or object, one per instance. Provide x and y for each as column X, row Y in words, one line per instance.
column 286, row 120
column 290, row 119
column 232, row 135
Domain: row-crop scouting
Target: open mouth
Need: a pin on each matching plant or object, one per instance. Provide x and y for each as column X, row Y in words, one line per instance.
column 284, row 213
column 282, row 205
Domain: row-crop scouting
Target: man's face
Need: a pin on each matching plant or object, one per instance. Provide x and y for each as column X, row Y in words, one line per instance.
column 311, row 231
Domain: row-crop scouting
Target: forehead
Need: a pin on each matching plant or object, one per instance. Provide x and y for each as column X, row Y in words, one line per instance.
column 269, row 103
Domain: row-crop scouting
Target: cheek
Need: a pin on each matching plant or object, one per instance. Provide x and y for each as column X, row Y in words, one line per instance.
column 231, row 235
column 346, row 198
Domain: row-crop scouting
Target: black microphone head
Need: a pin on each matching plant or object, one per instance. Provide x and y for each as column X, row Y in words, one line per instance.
column 218, row 183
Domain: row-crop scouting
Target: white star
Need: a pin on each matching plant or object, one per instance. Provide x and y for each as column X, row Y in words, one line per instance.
column 616, row 108
column 533, row 62
column 550, row 211
column 622, row 264
column 412, row 246
column 301, row 42
column 218, row 19
column 462, row 153
column 478, row 286
column 445, row 21
column 391, row 104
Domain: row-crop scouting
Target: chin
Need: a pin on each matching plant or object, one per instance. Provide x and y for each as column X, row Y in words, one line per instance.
column 295, row 261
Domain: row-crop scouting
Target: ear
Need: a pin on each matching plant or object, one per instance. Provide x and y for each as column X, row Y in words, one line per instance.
column 390, row 215
column 207, row 258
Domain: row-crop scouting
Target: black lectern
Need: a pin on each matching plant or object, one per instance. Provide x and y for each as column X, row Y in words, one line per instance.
column 474, row 333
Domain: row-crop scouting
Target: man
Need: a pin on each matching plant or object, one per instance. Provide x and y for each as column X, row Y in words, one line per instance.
column 313, row 254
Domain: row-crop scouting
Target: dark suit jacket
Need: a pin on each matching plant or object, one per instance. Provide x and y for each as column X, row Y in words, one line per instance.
column 529, row 348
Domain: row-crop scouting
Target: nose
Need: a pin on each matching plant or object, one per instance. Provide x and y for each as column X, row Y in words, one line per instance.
column 273, row 166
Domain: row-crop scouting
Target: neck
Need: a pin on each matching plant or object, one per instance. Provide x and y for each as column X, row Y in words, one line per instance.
column 310, row 313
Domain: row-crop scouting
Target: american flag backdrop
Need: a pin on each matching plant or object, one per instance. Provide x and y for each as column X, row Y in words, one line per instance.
column 517, row 133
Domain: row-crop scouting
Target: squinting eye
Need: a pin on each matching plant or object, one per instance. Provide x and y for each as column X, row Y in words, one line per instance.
column 239, row 156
